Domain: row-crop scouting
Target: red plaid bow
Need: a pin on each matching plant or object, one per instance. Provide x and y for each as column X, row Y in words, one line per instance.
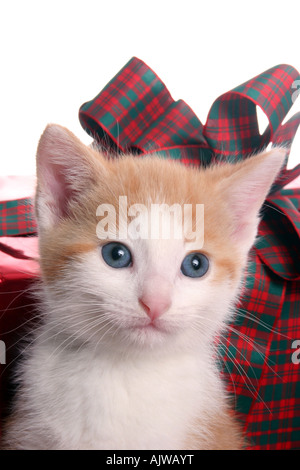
column 136, row 113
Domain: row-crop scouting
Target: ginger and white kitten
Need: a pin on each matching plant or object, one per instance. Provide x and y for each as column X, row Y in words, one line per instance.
column 124, row 358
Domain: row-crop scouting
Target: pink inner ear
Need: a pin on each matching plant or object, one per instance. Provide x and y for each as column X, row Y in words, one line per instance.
column 246, row 202
column 63, row 172
column 56, row 188
column 243, row 231
column 245, row 205
column 247, row 190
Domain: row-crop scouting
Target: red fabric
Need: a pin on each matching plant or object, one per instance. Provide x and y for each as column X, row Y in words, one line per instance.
column 18, row 269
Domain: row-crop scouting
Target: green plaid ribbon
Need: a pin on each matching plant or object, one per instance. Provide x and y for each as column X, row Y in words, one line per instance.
column 17, row 218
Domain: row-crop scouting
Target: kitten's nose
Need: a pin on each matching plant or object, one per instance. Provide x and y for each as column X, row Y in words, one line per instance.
column 154, row 306
column 156, row 295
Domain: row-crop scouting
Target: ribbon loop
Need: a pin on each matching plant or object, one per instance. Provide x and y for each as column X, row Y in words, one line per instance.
column 232, row 127
column 126, row 107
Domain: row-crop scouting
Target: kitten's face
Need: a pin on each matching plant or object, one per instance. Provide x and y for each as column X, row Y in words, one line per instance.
column 129, row 290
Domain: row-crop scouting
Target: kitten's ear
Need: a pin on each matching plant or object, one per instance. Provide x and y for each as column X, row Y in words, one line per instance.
column 246, row 188
column 65, row 169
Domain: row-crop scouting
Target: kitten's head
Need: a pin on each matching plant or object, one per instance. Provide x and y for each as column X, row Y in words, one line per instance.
column 111, row 274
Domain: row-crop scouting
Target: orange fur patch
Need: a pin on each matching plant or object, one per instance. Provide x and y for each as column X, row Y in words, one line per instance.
column 222, row 432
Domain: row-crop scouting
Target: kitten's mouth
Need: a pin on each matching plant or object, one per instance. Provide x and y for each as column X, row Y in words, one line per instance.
column 152, row 326
column 145, row 331
column 149, row 326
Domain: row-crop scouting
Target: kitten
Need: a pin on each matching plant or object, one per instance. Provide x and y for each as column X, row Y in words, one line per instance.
column 124, row 358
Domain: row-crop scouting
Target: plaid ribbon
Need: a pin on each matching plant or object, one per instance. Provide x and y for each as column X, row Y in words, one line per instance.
column 16, row 218
column 136, row 113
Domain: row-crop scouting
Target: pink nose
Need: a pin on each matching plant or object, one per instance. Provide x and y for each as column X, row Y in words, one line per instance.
column 154, row 307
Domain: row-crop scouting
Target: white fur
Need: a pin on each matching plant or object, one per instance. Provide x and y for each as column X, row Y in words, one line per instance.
column 83, row 401
column 92, row 381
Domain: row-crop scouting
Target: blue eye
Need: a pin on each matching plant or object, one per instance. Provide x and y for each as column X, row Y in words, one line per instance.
column 195, row 265
column 116, row 255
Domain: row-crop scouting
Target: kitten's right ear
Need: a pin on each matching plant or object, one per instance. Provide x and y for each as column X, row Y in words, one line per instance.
column 65, row 169
column 245, row 188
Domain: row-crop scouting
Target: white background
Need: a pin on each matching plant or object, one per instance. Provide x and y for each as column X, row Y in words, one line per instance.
column 57, row 54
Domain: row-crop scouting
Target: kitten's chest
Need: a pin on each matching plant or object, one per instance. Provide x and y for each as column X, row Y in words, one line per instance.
column 132, row 406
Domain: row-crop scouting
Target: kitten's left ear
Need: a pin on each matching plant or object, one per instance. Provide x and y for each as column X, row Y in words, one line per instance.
column 66, row 168
column 245, row 188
